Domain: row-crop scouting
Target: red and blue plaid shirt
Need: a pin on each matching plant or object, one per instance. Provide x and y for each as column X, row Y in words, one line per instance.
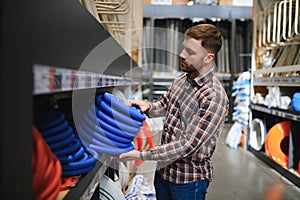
column 195, row 112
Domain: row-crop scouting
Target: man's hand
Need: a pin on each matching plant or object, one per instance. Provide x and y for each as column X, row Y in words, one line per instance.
column 144, row 106
column 131, row 155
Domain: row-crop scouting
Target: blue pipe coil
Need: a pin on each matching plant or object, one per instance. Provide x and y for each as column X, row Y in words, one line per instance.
column 55, row 130
column 110, row 130
column 121, row 117
column 120, row 105
column 108, row 97
column 91, row 160
column 59, row 118
column 115, row 115
column 70, row 158
column 110, row 151
column 98, row 139
column 84, row 157
column 103, row 147
column 63, row 135
column 97, row 132
column 102, row 116
column 62, row 144
column 68, row 150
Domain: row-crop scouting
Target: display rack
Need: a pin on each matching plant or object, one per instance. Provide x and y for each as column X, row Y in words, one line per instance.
column 45, row 45
column 230, row 13
column 276, row 38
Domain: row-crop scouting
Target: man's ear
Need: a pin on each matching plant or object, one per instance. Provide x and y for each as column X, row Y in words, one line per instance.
column 209, row 58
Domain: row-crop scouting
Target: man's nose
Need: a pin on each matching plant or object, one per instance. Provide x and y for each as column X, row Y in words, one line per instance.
column 181, row 55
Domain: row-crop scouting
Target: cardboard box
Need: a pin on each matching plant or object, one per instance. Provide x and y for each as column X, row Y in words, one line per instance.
column 180, row 1
column 235, row 2
column 225, row 2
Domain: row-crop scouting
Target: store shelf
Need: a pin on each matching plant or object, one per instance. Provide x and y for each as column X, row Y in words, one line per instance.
column 285, row 69
column 279, row 76
column 223, row 75
column 288, row 82
column 184, row 11
column 277, row 112
column 49, row 80
column 285, row 172
column 89, row 182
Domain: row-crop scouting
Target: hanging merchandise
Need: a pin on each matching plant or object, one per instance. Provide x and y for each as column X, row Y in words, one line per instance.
column 46, row 169
column 110, row 126
column 257, row 134
column 241, row 92
column 277, row 143
column 62, row 140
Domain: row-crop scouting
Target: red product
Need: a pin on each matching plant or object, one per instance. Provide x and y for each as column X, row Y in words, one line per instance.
column 149, row 136
column 277, row 143
column 47, row 170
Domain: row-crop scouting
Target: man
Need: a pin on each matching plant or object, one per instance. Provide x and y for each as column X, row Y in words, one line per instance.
column 195, row 107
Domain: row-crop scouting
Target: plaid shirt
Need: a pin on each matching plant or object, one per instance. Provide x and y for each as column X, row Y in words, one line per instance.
column 195, row 113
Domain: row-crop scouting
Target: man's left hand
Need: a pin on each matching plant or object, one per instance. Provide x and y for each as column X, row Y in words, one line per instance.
column 131, row 155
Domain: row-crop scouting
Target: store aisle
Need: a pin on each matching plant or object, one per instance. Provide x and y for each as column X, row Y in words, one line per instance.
column 239, row 175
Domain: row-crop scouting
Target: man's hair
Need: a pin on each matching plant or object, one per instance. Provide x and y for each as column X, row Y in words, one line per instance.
column 210, row 36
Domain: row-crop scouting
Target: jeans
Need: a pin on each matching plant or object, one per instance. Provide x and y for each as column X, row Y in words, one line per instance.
column 166, row 190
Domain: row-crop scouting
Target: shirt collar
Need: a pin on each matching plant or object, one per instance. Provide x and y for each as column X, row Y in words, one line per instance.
column 200, row 80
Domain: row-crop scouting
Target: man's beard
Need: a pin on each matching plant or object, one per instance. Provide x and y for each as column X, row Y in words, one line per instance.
column 187, row 68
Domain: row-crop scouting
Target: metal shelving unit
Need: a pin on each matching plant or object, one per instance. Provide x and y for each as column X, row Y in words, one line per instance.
column 273, row 77
column 291, row 115
column 271, row 35
column 285, row 172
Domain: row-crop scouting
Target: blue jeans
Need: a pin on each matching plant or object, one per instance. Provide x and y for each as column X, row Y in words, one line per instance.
column 166, row 190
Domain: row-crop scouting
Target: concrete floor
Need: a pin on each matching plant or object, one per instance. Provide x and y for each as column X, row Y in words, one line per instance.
column 240, row 175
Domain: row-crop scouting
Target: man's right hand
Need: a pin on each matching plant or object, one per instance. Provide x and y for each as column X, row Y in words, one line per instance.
column 144, row 106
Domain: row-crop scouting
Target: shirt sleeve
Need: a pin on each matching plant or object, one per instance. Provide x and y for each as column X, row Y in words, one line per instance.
column 203, row 125
column 158, row 108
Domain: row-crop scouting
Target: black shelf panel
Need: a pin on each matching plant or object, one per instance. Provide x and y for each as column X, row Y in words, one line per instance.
column 291, row 115
column 286, row 173
column 89, row 182
column 52, row 33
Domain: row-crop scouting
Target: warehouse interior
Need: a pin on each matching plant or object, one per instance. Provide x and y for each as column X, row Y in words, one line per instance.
column 68, row 68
